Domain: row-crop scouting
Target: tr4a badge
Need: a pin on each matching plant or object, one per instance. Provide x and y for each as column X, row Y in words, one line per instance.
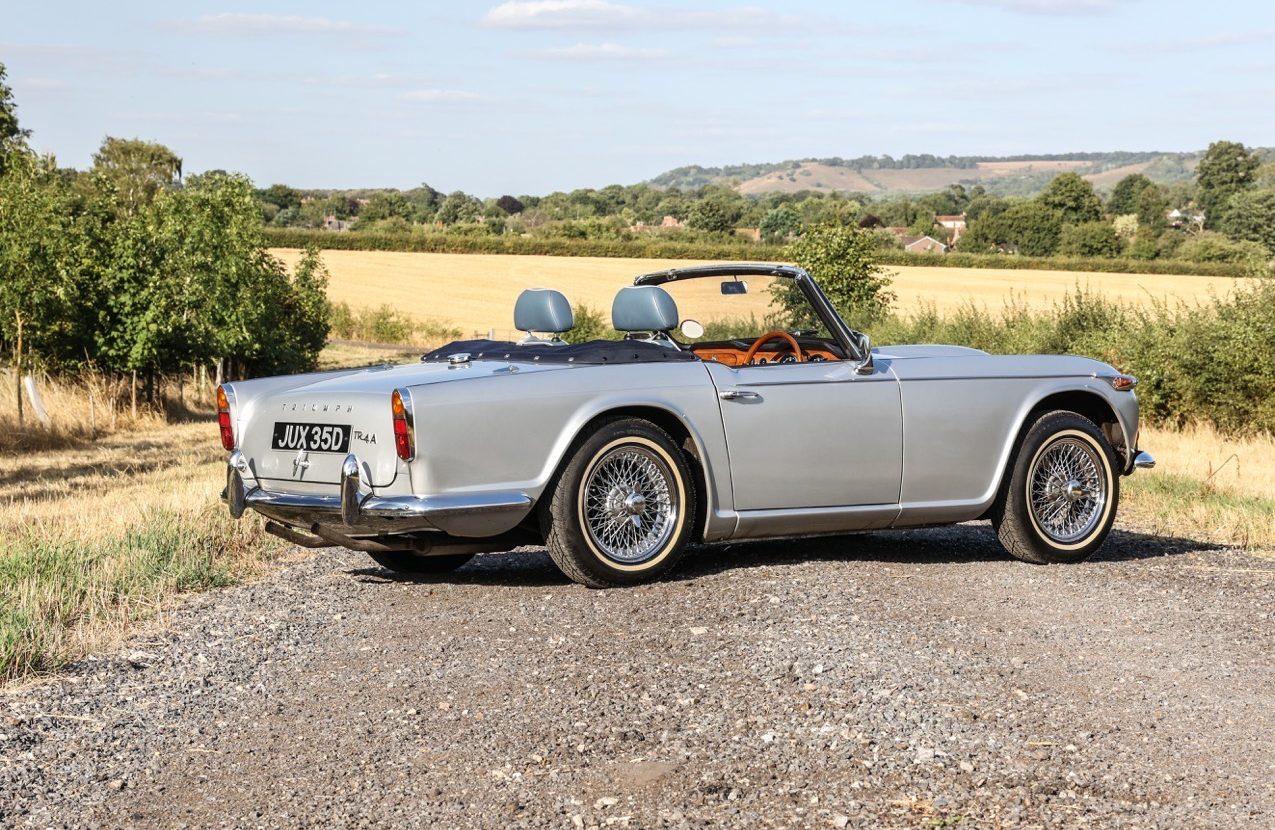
column 365, row 437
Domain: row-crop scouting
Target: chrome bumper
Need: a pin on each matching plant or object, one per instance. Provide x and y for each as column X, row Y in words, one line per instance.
column 358, row 510
column 1143, row 461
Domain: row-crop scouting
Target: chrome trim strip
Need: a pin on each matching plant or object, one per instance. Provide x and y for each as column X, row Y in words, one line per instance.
column 993, row 377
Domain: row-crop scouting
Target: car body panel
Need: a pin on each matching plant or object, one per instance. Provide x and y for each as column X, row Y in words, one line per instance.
column 894, row 437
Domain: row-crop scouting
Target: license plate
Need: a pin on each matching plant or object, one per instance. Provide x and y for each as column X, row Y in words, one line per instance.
column 311, row 437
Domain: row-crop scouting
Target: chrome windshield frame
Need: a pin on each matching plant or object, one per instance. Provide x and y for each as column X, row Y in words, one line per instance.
column 845, row 336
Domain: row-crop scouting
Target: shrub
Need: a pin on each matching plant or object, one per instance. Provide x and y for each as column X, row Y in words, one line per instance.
column 844, row 262
column 1097, row 239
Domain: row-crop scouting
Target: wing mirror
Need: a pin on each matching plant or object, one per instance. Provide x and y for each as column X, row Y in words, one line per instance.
column 734, row 287
column 691, row 329
column 864, row 344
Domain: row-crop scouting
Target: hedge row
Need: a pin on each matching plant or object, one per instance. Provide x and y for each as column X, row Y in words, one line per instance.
column 658, row 249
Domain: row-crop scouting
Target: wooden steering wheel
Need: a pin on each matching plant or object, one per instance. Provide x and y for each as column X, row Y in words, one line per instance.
column 766, row 338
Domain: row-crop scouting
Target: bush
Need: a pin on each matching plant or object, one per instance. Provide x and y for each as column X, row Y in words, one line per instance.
column 1096, row 239
column 590, row 324
column 384, row 324
column 1213, row 362
column 844, row 262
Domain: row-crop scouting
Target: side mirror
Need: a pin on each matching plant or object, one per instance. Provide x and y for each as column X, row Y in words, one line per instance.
column 734, row 287
column 864, row 344
column 692, row 330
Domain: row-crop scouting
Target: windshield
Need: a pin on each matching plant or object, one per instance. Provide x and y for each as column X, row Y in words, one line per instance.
column 769, row 303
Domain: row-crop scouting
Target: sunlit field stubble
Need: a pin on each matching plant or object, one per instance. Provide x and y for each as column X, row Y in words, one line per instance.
column 476, row 292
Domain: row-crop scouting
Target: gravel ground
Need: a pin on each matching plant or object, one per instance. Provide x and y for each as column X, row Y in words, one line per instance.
column 908, row 679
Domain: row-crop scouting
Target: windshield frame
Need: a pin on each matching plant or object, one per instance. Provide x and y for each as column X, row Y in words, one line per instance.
column 846, row 337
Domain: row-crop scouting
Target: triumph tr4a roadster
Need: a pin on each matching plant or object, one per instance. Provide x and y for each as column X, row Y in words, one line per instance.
column 617, row 454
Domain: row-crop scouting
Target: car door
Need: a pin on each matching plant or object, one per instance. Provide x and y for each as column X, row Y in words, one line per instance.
column 811, row 435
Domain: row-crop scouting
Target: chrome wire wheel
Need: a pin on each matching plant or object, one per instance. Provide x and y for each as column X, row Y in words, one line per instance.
column 1067, row 490
column 630, row 504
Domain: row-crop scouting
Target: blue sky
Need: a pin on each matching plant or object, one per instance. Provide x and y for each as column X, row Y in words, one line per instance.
column 528, row 97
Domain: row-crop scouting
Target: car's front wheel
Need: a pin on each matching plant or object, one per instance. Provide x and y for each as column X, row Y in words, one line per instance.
column 623, row 506
column 1060, row 501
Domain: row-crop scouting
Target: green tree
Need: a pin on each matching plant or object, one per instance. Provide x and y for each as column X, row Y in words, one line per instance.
column 12, row 137
column 385, row 205
column 134, row 171
column 1152, row 209
column 1028, row 228
column 713, row 215
column 1250, row 215
column 1092, row 239
column 1226, row 169
column 458, row 207
column 510, row 205
column 1073, row 197
column 47, row 287
column 780, row 223
column 844, row 262
column 1125, row 195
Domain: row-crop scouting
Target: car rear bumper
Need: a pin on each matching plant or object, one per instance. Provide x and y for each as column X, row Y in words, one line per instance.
column 358, row 510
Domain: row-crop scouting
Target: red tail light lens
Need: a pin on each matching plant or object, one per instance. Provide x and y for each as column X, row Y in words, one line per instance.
column 404, row 440
column 223, row 420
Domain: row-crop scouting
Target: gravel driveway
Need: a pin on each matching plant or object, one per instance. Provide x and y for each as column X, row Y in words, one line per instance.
column 907, row 679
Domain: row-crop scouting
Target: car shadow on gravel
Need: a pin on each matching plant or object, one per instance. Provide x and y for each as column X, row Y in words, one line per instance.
column 972, row 542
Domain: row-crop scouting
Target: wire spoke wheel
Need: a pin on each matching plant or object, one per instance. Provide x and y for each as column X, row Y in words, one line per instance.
column 1067, row 490
column 630, row 504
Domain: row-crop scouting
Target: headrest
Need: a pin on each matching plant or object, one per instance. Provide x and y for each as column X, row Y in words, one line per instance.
column 643, row 308
column 543, row 309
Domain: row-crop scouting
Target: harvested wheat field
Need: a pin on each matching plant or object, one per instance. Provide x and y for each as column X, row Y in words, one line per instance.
column 476, row 292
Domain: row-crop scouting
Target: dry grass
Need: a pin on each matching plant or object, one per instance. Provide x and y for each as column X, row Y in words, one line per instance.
column 476, row 292
column 85, row 407
column 1206, row 486
column 96, row 537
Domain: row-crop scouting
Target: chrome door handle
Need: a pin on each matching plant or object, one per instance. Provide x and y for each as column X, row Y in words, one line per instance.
column 737, row 395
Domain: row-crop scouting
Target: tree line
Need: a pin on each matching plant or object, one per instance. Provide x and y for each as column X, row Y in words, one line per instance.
column 1226, row 214
column 128, row 267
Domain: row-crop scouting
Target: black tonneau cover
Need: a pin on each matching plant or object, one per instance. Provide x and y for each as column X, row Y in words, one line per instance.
column 592, row 353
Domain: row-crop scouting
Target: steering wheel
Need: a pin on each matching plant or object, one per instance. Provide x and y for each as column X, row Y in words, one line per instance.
column 766, row 338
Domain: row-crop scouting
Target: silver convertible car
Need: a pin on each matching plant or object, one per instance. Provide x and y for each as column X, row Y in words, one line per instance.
column 616, row 454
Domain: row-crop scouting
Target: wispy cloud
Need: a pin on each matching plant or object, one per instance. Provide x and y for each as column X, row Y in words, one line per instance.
column 1051, row 7
column 439, row 96
column 245, row 23
column 585, row 52
column 603, row 14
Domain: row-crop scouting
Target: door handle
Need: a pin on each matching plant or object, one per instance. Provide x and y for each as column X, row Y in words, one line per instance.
column 737, row 395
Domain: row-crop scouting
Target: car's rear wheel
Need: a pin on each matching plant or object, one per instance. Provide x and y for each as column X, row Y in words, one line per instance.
column 407, row 562
column 1061, row 498
column 622, row 508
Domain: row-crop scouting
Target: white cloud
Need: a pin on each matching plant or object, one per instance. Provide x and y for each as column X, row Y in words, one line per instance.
column 600, row 52
column 1051, row 7
column 603, row 14
column 436, row 96
column 243, row 23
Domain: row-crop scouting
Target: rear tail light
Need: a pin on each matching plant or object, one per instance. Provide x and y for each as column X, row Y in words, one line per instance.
column 404, row 439
column 223, row 419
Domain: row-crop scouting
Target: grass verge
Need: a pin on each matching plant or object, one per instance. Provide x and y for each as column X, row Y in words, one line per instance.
column 60, row 595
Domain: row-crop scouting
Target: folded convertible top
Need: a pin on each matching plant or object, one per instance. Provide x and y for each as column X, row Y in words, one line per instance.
column 594, row 352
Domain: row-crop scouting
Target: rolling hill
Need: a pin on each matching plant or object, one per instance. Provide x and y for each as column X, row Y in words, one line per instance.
column 884, row 175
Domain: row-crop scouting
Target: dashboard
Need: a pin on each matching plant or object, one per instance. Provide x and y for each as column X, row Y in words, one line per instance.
column 731, row 352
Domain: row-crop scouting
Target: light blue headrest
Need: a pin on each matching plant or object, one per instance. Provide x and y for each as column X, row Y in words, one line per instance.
column 543, row 309
column 643, row 308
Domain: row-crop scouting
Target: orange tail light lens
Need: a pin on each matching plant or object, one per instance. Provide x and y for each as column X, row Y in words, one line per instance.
column 404, row 440
column 223, row 420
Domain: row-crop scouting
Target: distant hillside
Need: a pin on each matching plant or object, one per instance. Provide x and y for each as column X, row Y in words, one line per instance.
column 884, row 175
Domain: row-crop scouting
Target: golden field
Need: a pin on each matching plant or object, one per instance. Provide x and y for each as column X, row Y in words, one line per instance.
column 476, row 292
